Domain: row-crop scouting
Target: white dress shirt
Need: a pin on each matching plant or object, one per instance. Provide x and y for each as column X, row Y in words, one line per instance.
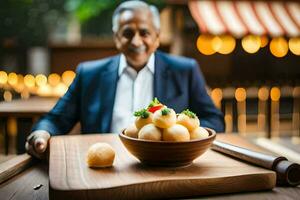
column 134, row 92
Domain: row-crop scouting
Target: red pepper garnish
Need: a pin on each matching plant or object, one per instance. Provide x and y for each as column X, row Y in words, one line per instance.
column 155, row 108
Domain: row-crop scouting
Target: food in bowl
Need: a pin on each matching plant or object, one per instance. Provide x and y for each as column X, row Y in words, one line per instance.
column 158, row 122
column 143, row 117
column 150, row 132
column 176, row 133
column 132, row 131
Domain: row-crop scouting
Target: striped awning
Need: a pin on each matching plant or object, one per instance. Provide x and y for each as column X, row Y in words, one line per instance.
column 239, row 18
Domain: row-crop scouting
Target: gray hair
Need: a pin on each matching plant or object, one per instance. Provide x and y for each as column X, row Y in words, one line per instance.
column 132, row 6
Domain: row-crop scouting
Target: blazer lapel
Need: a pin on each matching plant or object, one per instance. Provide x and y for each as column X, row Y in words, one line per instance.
column 108, row 85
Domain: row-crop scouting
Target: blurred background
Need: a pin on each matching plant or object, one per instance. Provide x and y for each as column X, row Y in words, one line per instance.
column 249, row 53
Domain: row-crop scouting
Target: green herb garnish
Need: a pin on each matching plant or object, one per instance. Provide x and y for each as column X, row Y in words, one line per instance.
column 165, row 111
column 154, row 102
column 189, row 113
column 143, row 113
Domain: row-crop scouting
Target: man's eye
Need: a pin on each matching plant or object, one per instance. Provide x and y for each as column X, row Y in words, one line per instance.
column 128, row 34
column 144, row 33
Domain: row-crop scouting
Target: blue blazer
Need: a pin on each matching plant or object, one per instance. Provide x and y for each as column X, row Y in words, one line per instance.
column 178, row 83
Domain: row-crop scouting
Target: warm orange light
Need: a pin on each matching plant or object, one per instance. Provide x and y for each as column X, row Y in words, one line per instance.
column 263, row 93
column 216, row 43
column 3, row 77
column 251, row 43
column 60, row 90
column 12, row 78
column 7, row 96
column 29, row 81
column 240, row 94
column 294, row 45
column 68, row 77
column 217, row 94
column 275, row 94
column 25, row 94
column 54, row 79
column 228, row 44
column 44, row 90
column 264, row 41
column 279, row 47
column 41, row 80
column 204, row 44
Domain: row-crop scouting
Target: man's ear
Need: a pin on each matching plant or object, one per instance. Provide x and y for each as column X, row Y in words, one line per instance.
column 116, row 40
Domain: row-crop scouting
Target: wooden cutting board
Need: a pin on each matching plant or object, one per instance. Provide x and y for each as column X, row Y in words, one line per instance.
column 211, row 173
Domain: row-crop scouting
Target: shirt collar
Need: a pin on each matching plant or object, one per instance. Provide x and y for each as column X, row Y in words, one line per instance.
column 123, row 64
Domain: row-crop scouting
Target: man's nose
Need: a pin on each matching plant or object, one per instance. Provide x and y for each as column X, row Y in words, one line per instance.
column 137, row 40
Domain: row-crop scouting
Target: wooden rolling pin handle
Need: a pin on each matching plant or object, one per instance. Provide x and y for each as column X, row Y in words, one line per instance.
column 288, row 173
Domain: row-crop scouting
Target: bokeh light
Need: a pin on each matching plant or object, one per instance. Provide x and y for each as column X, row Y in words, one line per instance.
column 216, row 43
column 204, row 44
column 216, row 94
column 228, row 44
column 60, row 90
column 7, row 96
column 12, row 78
column 264, row 41
column 251, row 43
column 68, row 77
column 275, row 93
column 294, row 45
column 3, row 77
column 279, row 47
column 240, row 94
column 44, row 90
column 263, row 93
column 53, row 79
column 40, row 80
column 29, row 81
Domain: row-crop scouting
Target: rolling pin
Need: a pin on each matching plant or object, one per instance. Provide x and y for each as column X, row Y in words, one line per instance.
column 287, row 173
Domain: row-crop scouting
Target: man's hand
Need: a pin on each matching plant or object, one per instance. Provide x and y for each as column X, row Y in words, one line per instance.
column 36, row 143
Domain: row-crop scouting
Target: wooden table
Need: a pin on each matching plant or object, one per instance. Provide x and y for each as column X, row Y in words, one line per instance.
column 25, row 111
column 21, row 186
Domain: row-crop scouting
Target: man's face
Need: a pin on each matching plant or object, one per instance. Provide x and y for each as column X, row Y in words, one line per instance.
column 137, row 37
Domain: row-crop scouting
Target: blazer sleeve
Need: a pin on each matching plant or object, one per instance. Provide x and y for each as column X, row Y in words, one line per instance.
column 65, row 114
column 201, row 103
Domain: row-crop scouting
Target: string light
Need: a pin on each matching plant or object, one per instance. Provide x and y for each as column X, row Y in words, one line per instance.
column 29, row 81
column 53, row 79
column 251, row 43
column 68, row 77
column 60, row 90
column 275, row 94
column 204, row 44
column 294, row 45
column 263, row 93
column 240, row 94
column 279, row 47
column 264, row 41
column 228, row 44
column 7, row 96
column 3, row 77
column 40, row 80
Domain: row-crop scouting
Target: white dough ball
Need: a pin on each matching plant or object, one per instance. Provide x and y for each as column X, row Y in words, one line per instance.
column 199, row 133
column 100, row 155
column 150, row 132
column 177, row 133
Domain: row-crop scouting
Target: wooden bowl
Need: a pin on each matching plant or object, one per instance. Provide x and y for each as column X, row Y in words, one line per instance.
column 165, row 153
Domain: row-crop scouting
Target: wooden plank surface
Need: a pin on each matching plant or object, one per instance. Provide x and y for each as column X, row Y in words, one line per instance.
column 14, row 166
column 23, row 107
column 212, row 173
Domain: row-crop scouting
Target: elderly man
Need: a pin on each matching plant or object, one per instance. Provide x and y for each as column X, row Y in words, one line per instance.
column 106, row 92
